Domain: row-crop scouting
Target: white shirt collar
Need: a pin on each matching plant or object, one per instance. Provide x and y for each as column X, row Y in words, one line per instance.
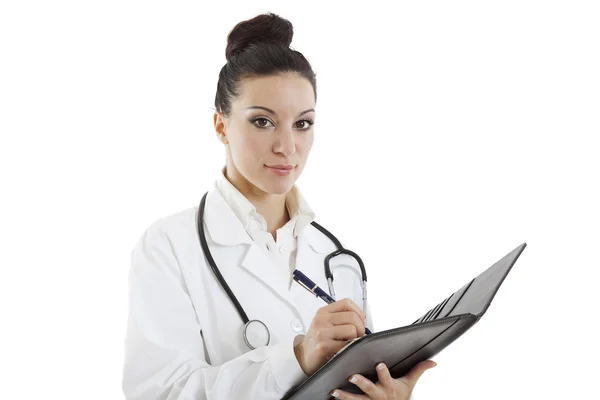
column 300, row 212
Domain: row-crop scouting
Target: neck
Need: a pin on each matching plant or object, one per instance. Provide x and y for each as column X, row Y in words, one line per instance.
column 273, row 210
column 271, row 206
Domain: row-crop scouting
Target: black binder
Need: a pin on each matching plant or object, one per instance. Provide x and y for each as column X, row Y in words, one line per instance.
column 403, row 348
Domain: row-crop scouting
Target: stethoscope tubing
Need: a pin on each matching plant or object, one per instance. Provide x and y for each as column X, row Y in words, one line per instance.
column 210, row 260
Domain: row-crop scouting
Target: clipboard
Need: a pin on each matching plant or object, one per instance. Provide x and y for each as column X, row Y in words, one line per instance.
column 404, row 347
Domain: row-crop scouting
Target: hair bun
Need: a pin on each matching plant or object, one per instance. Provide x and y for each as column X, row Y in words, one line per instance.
column 264, row 28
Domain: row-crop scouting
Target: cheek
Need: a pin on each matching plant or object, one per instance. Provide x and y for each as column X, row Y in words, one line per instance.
column 251, row 148
column 304, row 145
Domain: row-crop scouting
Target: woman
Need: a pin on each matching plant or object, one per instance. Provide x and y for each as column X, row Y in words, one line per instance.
column 184, row 338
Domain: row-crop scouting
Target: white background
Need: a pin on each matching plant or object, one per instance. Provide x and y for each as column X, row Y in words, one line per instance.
column 447, row 134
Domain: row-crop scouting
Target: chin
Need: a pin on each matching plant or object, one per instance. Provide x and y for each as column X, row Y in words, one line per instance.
column 277, row 185
column 281, row 186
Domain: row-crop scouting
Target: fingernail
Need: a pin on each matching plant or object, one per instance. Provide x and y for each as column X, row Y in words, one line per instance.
column 353, row 379
column 380, row 366
column 335, row 394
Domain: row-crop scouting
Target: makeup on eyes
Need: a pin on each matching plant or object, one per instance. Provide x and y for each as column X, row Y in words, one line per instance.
column 253, row 120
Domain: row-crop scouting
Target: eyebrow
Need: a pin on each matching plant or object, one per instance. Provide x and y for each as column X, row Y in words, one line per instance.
column 273, row 112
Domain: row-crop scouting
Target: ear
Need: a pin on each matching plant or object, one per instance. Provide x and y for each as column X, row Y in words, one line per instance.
column 219, row 123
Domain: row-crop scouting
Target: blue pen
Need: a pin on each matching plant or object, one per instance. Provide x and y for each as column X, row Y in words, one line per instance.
column 309, row 285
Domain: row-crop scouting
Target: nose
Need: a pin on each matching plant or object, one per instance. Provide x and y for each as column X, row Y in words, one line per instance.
column 285, row 142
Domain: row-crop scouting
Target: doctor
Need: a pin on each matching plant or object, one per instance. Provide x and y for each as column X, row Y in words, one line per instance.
column 185, row 336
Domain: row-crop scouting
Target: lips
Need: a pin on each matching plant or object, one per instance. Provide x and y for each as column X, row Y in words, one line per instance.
column 282, row 167
column 280, row 170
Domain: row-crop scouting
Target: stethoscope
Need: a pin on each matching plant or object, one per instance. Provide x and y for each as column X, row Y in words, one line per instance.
column 256, row 333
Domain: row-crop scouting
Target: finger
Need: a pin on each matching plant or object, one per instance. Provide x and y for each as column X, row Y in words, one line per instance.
column 347, row 318
column 340, row 394
column 332, row 347
column 414, row 374
column 368, row 387
column 344, row 332
column 345, row 305
column 384, row 376
column 327, row 345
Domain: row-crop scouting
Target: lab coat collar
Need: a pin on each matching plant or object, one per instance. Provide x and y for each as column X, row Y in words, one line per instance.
column 300, row 212
column 225, row 228
column 299, row 208
column 309, row 260
column 222, row 224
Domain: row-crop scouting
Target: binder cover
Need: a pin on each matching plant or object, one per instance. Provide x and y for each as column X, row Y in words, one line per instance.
column 404, row 347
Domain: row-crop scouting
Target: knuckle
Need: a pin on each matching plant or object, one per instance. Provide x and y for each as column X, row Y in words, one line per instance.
column 320, row 347
column 320, row 334
column 321, row 321
column 353, row 330
column 323, row 350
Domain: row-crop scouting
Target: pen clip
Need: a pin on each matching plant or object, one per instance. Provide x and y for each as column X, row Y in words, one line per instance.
column 304, row 285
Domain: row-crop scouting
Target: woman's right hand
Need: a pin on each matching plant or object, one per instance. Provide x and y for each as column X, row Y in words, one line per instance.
column 329, row 331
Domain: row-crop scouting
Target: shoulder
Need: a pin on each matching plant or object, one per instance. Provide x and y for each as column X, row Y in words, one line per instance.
column 174, row 221
column 180, row 228
column 163, row 246
column 170, row 228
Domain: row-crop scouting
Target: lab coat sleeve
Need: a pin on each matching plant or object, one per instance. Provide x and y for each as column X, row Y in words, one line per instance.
column 164, row 351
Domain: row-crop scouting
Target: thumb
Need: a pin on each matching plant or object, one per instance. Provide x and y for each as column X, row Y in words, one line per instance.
column 418, row 370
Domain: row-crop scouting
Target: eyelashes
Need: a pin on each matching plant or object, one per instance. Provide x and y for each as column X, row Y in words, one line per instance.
column 308, row 122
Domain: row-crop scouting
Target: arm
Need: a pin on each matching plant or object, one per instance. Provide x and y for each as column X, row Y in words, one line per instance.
column 164, row 352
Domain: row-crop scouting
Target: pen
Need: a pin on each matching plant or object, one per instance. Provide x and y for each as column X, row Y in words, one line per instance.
column 309, row 285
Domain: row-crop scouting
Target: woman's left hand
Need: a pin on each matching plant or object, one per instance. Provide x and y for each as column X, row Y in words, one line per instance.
column 387, row 388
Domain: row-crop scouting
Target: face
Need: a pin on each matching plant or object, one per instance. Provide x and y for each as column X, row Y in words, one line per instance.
column 269, row 133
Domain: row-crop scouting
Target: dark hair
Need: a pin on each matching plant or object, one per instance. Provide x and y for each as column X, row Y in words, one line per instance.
column 259, row 47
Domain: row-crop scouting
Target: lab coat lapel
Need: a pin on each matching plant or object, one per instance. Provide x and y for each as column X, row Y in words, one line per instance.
column 309, row 258
column 312, row 249
column 345, row 269
column 226, row 229
column 259, row 264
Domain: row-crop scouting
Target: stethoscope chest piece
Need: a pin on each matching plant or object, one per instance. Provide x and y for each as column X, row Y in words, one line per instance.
column 256, row 334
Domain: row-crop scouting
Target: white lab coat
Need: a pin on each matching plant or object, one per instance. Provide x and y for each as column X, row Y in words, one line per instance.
column 184, row 336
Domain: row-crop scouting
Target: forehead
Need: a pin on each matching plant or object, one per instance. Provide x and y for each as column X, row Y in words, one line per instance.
column 283, row 94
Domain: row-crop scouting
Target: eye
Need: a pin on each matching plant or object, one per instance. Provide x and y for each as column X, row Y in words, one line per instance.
column 264, row 121
column 260, row 119
column 308, row 124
